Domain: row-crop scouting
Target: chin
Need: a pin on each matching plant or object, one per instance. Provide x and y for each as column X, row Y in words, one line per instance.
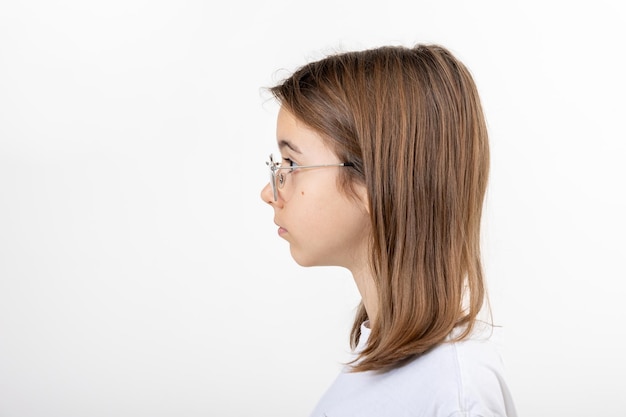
column 304, row 262
column 308, row 261
column 301, row 260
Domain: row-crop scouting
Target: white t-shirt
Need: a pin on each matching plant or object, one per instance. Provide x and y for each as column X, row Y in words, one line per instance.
column 462, row 379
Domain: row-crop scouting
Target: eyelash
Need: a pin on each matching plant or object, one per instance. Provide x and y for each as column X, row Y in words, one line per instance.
column 289, row 162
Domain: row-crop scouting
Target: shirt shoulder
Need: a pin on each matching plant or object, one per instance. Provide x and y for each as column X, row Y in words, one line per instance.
column 454, row 379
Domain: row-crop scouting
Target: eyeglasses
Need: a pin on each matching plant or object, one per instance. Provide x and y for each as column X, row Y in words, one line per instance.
column 278, row 178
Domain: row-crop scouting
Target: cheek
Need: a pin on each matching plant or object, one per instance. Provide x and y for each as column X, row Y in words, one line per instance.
column 312, row 208
column 319, row 206
column 337, row 235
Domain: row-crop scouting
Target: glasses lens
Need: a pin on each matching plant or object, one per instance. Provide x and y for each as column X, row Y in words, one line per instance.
column 280, row 179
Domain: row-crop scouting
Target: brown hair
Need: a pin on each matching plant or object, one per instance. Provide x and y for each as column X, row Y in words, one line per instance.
column 411, row 123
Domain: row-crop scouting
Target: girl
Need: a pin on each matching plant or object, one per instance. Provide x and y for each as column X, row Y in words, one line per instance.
column 383, row 169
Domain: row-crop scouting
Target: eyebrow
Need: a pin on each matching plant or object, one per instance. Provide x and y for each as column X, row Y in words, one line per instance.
column 286, row 144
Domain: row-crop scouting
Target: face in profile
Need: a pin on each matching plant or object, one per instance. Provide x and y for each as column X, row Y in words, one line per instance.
column 323, row 226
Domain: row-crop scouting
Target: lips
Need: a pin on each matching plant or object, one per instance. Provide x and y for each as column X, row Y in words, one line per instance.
column 281, row 230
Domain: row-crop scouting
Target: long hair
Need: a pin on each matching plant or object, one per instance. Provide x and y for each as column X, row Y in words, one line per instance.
column 411, row 122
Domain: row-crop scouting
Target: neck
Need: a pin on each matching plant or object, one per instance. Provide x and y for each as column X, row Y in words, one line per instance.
column 367, row 288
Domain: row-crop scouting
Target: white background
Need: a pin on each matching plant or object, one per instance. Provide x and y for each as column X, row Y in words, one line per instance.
column 140, row 273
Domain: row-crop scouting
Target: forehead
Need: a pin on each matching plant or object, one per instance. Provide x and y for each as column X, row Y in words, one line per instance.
column 294, row 135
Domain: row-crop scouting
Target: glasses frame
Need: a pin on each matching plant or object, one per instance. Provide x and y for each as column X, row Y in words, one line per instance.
column 276, row 175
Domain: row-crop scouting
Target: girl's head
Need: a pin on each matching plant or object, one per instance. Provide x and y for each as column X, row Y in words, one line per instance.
column 409, row 123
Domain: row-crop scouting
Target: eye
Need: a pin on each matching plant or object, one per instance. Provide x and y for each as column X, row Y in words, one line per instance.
column 289, row 163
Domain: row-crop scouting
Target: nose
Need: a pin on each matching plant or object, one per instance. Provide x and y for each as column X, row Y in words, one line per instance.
column 266, row 194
